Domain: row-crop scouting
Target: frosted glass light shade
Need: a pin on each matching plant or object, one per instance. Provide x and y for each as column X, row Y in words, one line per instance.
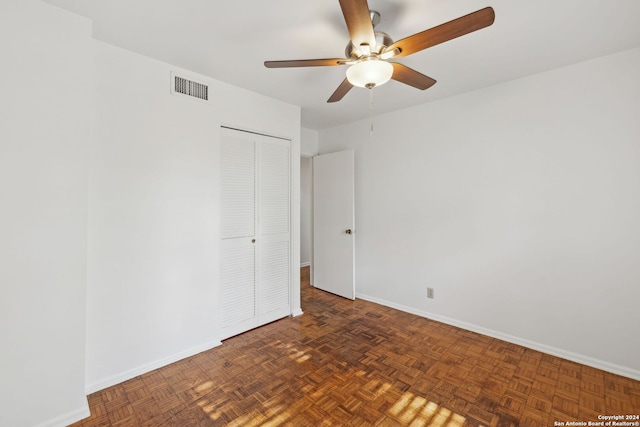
column 370, row 73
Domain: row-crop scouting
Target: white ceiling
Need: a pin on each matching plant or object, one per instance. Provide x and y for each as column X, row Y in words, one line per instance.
column 230, row 40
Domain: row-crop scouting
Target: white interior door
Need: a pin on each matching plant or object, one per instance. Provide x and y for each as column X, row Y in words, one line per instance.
column 333, row 223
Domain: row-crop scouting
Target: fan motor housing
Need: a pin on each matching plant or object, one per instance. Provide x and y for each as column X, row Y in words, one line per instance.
column 383, row 40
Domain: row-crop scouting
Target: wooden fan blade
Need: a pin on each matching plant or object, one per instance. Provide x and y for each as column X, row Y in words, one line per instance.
column 445, row 32
column 329, row 62
column 411, row 77
column 342, row 90
column 356, row 15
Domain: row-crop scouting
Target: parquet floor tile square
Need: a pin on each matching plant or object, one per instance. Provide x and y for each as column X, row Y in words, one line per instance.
column 568, row 408
column 356, row 363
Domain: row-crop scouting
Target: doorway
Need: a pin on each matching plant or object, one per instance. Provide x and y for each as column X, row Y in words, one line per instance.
column 327, row 242
column 306, row 211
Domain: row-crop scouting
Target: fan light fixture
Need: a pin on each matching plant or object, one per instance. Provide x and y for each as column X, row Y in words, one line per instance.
column 369, row 73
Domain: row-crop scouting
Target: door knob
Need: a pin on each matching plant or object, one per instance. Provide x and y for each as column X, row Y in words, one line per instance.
column 253, row 240
column 348, row 231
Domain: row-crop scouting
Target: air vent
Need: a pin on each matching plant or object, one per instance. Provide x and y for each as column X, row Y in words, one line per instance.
column 189, row 88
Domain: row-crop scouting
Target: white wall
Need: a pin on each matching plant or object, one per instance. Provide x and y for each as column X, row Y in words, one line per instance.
column 44, row 133
column 309, row 142
column 108, row 212
column 518, row 203
column 154, row 212
column 306, row 210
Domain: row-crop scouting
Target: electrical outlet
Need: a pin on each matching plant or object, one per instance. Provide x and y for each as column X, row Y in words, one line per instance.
column 429, row 292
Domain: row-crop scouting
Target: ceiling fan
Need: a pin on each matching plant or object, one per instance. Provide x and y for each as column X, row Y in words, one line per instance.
column 368, row 52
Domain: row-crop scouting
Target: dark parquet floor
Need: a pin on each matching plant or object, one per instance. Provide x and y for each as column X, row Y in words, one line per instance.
column 355, row 363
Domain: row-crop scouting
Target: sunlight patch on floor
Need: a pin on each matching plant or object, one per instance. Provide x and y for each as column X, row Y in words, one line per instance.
column 204, row 387
column 409, row 409
column 208, row 408
column 272, row 417
column 417, row 411
column 299, row 356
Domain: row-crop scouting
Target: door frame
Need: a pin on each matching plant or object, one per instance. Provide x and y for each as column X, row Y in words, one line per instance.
column 311, row 234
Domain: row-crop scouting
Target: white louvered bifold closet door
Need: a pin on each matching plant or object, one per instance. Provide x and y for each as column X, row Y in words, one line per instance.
column 274, row 288
column 255, row 216
column 238, row 218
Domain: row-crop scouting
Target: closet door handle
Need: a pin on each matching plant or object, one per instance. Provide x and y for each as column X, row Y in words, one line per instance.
column 253, row 240
column 348, row 231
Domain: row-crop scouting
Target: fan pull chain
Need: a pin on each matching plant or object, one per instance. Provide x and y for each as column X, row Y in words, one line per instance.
column 371, row 113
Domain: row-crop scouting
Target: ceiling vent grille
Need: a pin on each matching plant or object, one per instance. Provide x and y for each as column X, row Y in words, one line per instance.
column 189, row 88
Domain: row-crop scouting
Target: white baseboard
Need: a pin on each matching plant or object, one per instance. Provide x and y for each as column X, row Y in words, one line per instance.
column 305, row 264
column 68, row 418
column 297, row 312
column 574, row 357
column 132, row 373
